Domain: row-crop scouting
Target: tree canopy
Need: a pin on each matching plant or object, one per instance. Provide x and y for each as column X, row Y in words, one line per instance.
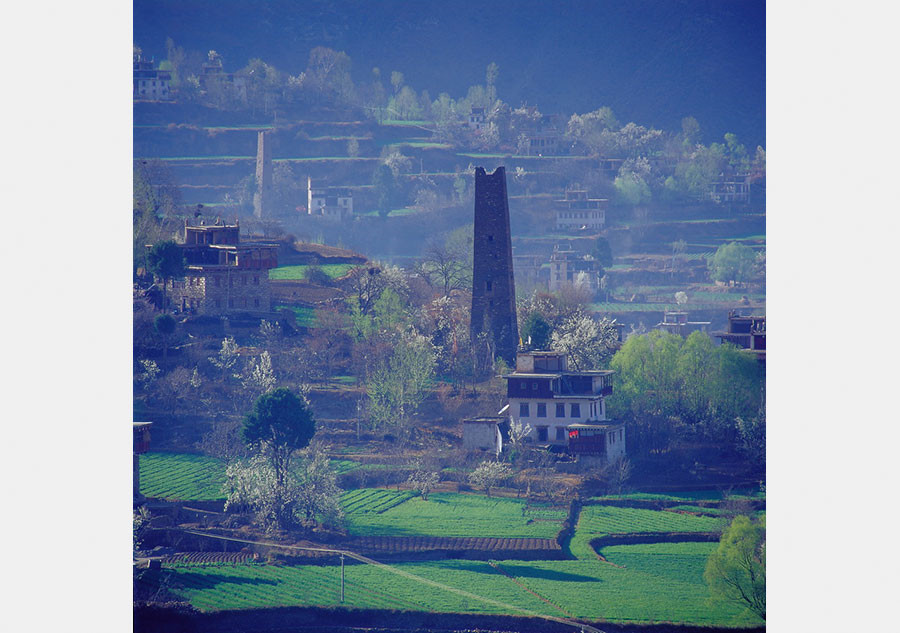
column 280, row 418
column 736, row 571
column 165, row 260
column 692, row 379
column 732, row 262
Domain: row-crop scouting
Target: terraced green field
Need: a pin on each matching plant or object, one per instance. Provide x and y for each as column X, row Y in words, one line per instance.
column 181, row 476
column 452, row 514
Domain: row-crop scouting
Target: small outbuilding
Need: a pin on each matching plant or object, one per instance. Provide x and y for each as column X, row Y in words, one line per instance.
column 484, row 433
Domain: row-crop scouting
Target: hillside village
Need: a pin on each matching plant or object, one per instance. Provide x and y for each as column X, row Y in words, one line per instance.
column 526, row 350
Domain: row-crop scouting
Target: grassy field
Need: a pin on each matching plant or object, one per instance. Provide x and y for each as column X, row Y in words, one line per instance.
column 299, row 272
column 662, row 583
column 306, row 317
column 598, row 520
column 181, row 476
column 452, row 514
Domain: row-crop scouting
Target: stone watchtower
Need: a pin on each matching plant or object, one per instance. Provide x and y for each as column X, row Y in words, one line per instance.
column 493, row 288
column 263, row 176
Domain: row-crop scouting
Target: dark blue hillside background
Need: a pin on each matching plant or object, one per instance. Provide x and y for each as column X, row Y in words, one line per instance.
column 652, row 61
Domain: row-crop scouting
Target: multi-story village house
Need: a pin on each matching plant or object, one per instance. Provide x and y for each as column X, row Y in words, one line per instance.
column 576, row 211
column 569, row 268
column 149, row 82
column 746, row 332
column 223, row 274
column 563, row 407
column 333, row 203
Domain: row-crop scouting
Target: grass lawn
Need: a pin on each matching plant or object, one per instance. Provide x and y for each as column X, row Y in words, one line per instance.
column 299, row 272
column 453, row 514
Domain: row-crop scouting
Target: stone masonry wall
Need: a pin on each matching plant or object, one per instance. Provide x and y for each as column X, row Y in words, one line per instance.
column 223, row 291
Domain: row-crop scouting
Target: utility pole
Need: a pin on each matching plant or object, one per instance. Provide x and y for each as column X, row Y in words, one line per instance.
column 342, row 578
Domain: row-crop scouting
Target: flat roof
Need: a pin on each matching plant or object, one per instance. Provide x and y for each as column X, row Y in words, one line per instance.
column 587, row 372
column 594, row 427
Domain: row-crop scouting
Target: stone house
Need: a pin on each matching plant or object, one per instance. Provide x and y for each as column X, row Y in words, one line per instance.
column 564, row 408
column 223, row 274
column 747, row 332
column 569, row 268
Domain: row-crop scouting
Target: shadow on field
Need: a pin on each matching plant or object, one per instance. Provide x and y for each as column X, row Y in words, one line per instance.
column 522, row 572
column 206, row 580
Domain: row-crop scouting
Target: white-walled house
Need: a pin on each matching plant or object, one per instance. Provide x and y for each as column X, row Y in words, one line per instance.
column 334, row 203
column 564, row 408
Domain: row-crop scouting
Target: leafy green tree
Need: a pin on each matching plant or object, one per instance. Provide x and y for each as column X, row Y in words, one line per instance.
column 603, row 252
column 386, row 189
column 732, row 262
column 536, row 331
column 397, row 386
column 736, row 571
column 279, row 425
column 660, row 376
column 166, row 261
column 491, row 74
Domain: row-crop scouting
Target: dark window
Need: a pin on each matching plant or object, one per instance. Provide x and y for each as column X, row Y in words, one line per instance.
column 542, row 434
column 541, row 410
column 576, row 411
column 523, row 385
column 560, row 433
column 490, row 238
column 523, row 409
column 488, row 286
column 534, row 386
column 560, row 410
column 256, row 281
column 256, row 302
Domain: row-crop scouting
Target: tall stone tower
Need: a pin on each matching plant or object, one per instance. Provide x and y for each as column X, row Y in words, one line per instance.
column 263, row 177
column 493, row 287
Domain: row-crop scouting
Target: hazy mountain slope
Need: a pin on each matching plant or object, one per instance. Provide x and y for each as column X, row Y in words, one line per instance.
column 652, row 61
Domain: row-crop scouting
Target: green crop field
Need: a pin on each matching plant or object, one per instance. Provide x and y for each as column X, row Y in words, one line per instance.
column 298, row 272
column 691, row 495
column 611, row 519
column 453, row 514
column 217, row 587
column 662, row 583
column 182, row 476
column 305, row 317
column 598, row 520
